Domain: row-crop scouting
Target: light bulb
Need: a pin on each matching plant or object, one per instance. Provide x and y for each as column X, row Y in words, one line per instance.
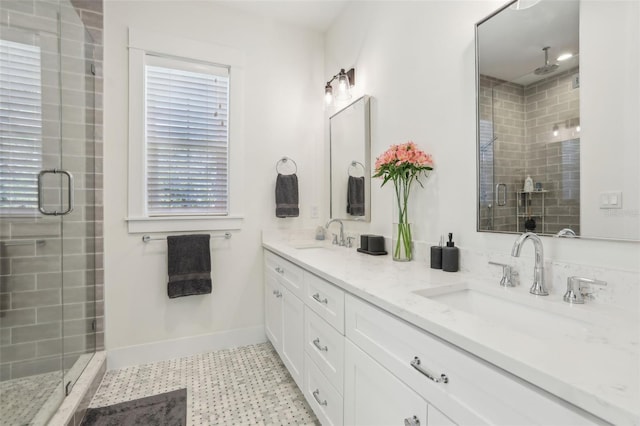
column 344, row 87
column 577, row 128
column 328, row 94
column 555, row 130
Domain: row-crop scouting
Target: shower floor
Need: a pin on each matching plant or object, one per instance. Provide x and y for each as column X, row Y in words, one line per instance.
column 21, row 399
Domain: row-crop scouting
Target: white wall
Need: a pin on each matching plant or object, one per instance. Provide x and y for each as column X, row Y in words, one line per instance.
column 610, row 97
column 283, row 116
column 417, row 61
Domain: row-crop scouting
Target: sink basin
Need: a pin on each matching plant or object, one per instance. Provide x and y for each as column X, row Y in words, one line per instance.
column 534, row 317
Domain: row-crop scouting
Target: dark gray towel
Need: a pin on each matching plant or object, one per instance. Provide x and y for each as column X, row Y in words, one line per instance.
column 287, row 196
column 355, row 196
column 189, row 265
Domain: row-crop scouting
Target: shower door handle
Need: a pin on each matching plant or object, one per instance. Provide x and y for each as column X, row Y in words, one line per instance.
column 504, row 194
column 70, row 199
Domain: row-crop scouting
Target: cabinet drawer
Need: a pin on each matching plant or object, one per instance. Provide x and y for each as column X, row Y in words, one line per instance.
column 325, row 346
column 475, row 392
column 325, row 401
column 325, row 299
column 288, row 274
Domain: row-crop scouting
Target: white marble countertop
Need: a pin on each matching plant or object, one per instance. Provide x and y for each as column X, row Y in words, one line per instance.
column 596, row 369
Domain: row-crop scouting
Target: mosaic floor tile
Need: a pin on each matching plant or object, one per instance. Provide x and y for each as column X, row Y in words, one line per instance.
column 240, row 386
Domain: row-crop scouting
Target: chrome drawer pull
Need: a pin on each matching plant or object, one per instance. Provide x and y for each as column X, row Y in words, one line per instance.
column 412, row 421
column 415, row 363
column 317, row 297
column 315, row 395
column 321, row 348
column 279, row 270
column 277, row 293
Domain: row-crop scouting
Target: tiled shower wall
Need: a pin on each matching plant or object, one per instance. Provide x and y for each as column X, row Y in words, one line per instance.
column 522, row 120
column 552, row 160
column 505, row 110
column 31, row 277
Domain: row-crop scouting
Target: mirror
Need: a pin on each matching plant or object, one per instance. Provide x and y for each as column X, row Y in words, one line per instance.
column 350, row 165
column 533, row 148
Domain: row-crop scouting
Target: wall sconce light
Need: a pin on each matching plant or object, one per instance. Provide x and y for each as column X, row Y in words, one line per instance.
column 346, row 81
column 555, row 130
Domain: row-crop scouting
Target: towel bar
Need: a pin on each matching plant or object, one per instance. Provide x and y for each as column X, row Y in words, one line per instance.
column 147, row 238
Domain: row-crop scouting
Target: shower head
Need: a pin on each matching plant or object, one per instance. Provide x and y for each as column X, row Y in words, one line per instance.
column 547, row 67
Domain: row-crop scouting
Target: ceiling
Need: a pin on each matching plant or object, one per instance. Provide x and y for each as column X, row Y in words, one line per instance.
column 317, row 15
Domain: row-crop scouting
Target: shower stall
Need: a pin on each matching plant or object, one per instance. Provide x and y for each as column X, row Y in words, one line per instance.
column 50, row 208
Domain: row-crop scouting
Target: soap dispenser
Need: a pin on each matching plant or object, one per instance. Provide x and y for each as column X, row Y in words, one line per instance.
column 450, row 256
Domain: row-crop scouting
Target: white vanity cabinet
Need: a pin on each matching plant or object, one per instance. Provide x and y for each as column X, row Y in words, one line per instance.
column 466, row 389
column 357, row 364
column 374, row 396
column 284, row 318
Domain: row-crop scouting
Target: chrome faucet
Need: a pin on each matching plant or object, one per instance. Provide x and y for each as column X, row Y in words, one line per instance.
column 538, row 287
column 341, row 242
column 566, row 233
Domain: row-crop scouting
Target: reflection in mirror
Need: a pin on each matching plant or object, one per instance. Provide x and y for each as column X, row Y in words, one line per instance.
column 529, row 119
column 350, row 180
column 553, row 156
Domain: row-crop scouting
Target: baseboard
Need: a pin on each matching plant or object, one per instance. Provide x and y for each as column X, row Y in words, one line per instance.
column 177, row 348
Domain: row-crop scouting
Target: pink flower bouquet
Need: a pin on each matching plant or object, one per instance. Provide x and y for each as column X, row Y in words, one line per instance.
column 403, row 164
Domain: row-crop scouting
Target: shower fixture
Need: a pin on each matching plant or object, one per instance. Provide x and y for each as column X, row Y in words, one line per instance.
column 547, row 67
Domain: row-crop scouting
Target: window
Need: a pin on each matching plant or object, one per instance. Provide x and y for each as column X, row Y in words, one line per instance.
column 20, row 127
column 186, row 129
column 185, row 139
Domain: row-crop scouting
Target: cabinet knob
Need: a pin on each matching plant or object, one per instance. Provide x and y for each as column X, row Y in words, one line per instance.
column 412, row 421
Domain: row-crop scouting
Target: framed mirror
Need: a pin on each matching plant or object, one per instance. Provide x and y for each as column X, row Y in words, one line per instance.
column 535, row 152
column 350, row 164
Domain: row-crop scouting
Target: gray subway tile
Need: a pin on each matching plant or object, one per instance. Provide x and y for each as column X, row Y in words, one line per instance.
column 33, row 299
column 22, row 351
column 19, row 317
column 25, row 265
column 31, row 333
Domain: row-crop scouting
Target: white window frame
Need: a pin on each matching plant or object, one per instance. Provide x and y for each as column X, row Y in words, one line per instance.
column 143, row 45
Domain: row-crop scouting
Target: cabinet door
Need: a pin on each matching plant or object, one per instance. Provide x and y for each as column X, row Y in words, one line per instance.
column 273, row 311
column 374, row 396
column 293, row 334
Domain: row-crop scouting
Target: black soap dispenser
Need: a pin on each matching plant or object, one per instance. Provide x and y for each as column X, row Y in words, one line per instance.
column 450, row 256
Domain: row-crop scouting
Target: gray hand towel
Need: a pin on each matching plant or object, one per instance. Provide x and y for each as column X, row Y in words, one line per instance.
column 287, row 196
column 189, row 265
column 355, row 196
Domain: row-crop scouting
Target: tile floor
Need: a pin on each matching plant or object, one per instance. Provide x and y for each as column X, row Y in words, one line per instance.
column 241, row 386
column 21, row 399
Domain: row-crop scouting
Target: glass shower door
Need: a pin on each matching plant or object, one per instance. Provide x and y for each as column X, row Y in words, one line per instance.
column 31, row 250
column 47, row 240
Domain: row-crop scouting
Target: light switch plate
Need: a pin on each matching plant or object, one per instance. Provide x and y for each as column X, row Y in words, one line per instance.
column 611, row 200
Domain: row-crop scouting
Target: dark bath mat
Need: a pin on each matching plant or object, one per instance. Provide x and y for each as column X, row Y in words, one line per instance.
column 165, row 409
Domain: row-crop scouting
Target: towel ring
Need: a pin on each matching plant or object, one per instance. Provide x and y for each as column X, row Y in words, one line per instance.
column 353, row 164
column 284, row 160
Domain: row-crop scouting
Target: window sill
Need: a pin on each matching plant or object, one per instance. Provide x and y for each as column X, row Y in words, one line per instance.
column 183, row 223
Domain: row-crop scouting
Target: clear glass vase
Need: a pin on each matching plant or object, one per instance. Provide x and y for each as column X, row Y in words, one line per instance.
column 402, row 242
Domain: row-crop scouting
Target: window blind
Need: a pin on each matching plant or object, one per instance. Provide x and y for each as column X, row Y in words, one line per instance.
column 20, row 127
column 186, row 141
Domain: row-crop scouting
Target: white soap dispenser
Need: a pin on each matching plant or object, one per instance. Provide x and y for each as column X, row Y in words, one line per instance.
column 528, row 184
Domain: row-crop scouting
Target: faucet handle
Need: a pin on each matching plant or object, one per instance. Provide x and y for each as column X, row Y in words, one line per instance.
column 509, row 276
column 350, row 241
column 574, row 293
